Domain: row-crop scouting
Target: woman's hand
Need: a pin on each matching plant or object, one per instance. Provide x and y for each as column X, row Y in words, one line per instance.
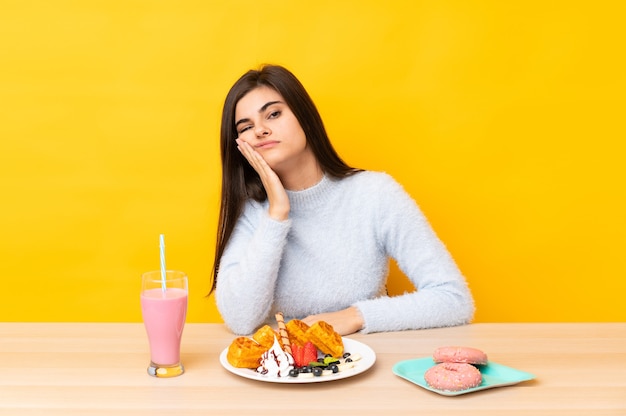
column 344, row 322
column 276, row 194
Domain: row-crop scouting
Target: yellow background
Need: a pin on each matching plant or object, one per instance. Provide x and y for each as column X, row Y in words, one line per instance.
column 505, row 120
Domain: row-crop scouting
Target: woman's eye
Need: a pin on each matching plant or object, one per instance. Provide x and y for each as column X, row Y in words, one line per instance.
column 274, row 114
column 244, row 129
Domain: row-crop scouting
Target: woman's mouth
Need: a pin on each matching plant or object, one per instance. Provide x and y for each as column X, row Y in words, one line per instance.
column 267, row 144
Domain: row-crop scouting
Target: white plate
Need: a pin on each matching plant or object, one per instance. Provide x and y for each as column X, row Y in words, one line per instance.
column 368, row 358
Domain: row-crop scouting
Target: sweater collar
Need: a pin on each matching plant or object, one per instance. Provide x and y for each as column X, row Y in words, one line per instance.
column 313, row 196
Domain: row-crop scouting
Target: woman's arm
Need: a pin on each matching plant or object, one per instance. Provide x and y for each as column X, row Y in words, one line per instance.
column 442, row 297
column 402, row 232
column 249, row 269
column 249, row 266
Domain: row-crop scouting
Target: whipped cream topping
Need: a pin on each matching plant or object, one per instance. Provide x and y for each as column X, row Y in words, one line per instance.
column 275, row 362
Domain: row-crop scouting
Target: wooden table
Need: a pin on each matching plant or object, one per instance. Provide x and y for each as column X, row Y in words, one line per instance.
column 100, row 369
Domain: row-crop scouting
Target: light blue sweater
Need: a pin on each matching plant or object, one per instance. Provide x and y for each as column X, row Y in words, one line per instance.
column 333, row 252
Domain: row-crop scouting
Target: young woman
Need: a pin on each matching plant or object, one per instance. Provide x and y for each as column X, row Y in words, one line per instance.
column 303, row 233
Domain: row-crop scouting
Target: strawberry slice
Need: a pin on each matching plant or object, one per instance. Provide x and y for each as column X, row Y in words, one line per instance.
column 309, row 353
column 297, row 352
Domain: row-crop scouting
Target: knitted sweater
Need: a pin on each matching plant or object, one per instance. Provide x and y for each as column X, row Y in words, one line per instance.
column 333, row 252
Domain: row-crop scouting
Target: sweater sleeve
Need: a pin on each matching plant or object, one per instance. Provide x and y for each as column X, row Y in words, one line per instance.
column 249, row 268
column 442, row 297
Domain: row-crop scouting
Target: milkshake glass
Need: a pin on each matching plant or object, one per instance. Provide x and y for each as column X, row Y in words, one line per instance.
column 164, row 308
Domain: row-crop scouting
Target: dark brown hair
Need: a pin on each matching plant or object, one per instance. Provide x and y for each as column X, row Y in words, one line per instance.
column 239, row 180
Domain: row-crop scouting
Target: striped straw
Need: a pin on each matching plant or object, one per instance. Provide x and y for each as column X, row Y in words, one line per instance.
column 162, row 246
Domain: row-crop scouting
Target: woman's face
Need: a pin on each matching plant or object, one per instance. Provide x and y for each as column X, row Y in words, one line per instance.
column 265, row 122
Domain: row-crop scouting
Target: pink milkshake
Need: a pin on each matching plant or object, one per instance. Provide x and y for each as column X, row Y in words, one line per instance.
column 164, row 318
column 164, row 313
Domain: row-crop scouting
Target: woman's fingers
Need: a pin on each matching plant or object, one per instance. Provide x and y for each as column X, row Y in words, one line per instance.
column 256, row 160
column 276, row 194
column 246, row 150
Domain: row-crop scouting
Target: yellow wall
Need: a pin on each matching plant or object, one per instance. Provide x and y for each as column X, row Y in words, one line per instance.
column 503, row 119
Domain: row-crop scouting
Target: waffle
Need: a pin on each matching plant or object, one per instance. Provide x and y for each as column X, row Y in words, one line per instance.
column 245, row 352
column 324, row 337
column 297, row 332
column 265, row 336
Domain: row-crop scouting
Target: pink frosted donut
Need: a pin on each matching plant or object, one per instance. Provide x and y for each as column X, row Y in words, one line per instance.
column 453, row 376
column 459, row 355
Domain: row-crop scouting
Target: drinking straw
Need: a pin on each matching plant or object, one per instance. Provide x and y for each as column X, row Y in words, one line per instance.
column 162, row 246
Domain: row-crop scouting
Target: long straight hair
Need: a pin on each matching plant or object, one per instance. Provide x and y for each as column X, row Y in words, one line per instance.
column 240, row 182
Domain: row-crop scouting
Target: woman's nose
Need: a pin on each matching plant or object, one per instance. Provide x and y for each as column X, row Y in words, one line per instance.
column 262, row 131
